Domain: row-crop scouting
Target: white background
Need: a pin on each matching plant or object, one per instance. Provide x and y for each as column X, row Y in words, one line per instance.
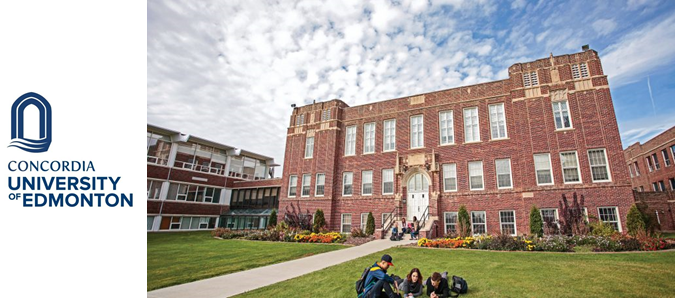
column 88, row 59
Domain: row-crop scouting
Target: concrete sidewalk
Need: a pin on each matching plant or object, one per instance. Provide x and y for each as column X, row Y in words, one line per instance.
column 244, row 281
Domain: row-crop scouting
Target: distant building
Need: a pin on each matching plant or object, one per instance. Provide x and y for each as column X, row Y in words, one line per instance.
column 652, row 170
column 198, row 184
column 498, row 148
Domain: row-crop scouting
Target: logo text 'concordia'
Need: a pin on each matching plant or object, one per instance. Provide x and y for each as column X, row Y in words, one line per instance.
column 18, row 139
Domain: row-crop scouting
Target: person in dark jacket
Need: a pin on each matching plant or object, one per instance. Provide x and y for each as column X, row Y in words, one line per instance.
column 437, row 286
column 412, row 286
column 378, row 283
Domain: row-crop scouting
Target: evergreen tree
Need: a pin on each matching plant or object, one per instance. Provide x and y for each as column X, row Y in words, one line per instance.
column 536, row 223
column 272, row 222
column 635, row 221
column 319, row 221
column 463, row 222
column 370, row 224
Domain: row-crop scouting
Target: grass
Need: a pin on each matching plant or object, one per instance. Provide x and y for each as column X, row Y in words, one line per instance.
column 504, row 274
column 668, row 235
column 177, row 258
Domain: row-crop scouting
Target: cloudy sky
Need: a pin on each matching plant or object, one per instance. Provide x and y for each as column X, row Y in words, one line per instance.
column 228, row 71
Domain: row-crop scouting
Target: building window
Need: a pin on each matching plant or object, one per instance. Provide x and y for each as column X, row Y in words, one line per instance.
column 158, row 148
column 447, row 128
column 300, row 119
column 369, row 137
column 579, row 71
column 610, row 215
column 320, row 182
column 197, row 157
column 154, row 188
column 672, row 183
column 390, row 135
column 347, row 183
column 637, row 168
column 570, row 167
column 450, row 222
column 507, row 221
column 497, row 121
column 672, row 151
column 193, row 193
column 666, row 158
column 662, row 185
column 293, row 186
column 350, row 140
column 542, row 167
column 476, row 175
column 388, row 181
column 309, row 147
column 599, row 167
column 188, row 223
column 346, row 224
column 549, row 218
column 306, row 181
column 367, row 183
column 649, row 163
column 450, row 177
column 416, row 131
column 471, row 129
column 655, row 186
column 364, row 221
column 530, row 79
column 503, row 173
column 325, row 115
column 478, row 222
column 656, row 161
column 630, row 170
column 561, row 114
column 151, row 220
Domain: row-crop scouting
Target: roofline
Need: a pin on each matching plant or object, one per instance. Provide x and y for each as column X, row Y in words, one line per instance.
column 200, row 140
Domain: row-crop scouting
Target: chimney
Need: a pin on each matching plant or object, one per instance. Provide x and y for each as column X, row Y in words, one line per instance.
column 585, row 47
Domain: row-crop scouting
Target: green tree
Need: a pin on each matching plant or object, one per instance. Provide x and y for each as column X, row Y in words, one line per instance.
column 319, row 221
column 635, row 221
column 463, row 222
column 370, row 224
column 272, row 222
column 536, row 223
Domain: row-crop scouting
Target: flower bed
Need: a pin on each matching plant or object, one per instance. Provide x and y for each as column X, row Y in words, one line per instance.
column 615, row 242
column 285, row 235
column 319, row 238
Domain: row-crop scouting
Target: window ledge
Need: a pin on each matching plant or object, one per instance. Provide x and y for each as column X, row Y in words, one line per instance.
column 387, row 151
column 564, row 129
column 369, row 153
column 500, row 139
column 447, row 145
column 473, row 142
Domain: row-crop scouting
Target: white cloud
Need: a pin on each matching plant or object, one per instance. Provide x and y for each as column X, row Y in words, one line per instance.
column 645, row 128
column 640, row 52
column 604, row 26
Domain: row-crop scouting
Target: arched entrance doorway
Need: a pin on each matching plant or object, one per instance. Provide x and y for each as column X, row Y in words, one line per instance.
column 418, row 195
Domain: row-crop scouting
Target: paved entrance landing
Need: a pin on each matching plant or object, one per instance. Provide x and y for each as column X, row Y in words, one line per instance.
column 244, row 281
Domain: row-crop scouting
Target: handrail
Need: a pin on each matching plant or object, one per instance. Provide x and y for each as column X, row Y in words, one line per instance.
column 424, row 217
column 389, row 220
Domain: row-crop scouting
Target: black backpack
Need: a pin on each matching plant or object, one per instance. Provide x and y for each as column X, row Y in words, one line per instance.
column 459, row 285
column 361, row 283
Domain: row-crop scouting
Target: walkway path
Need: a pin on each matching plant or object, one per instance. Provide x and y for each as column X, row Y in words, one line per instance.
column 244, row 281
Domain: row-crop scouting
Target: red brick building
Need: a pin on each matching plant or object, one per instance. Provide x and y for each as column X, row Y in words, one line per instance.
column 196, row 184
column 498, row 148
column 652, row 170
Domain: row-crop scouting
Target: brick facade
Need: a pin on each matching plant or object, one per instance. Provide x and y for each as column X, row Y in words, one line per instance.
column 663, row 146
column 530, row 130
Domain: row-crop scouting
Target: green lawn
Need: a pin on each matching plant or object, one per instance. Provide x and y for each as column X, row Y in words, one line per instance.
column 668, row 235
column 504, row 274
column 176, row 258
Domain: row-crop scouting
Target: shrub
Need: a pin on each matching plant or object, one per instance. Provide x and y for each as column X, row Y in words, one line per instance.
column 506, row 242
column 218, row 232
column 553, row 243
column 599, row 228
column 272, row 222
column 296, row 219
column 463, row 222
column 370, row 224
column 357, row 232
column 536, row 224
column 319, row 221
column 635, row 221
column 572, row 220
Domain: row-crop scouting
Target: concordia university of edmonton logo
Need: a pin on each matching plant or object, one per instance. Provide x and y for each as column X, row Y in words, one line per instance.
column 18, row 140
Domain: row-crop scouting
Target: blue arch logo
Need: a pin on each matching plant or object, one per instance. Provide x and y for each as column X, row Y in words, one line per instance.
column 18, row 140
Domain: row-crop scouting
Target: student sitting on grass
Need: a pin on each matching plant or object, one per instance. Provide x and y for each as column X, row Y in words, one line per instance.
column 437, row 286
column 378, row 283
column 412, row 286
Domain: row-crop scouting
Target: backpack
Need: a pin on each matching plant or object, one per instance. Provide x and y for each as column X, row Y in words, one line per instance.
column 361, row 283
column 459, row 285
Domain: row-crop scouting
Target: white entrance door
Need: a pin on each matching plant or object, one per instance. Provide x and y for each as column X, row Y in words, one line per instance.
column 418, row 196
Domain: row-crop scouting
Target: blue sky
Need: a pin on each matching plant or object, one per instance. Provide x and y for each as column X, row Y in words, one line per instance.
column 228, row 71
